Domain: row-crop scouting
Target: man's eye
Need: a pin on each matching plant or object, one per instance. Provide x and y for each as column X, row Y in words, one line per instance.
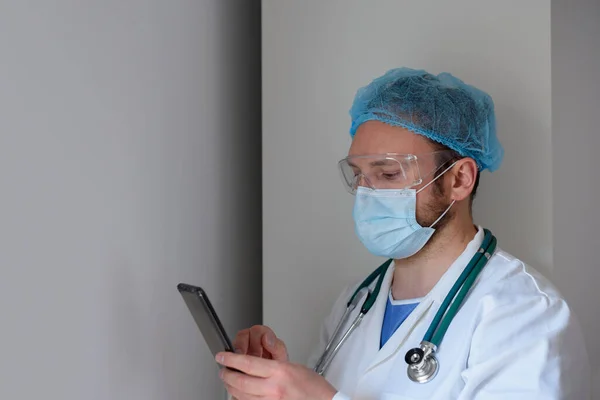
column 391, row 175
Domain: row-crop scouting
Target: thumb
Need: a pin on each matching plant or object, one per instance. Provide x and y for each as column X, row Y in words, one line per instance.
column 275, row 346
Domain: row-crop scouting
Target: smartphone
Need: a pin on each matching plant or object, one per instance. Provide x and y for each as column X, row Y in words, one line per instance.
column 206, row 318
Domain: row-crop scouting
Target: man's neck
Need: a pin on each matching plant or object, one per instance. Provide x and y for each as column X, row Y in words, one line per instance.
column 415, row 276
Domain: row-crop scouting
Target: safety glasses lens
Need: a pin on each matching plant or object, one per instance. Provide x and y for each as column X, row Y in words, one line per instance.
column 379, row 172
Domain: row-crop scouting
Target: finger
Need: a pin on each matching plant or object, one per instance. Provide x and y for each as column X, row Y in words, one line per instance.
column 266, row 344
column 246, row 384
column 255, row 348
column 239, row 395
column 250, row 365
column 241, row 341
column 275, row 346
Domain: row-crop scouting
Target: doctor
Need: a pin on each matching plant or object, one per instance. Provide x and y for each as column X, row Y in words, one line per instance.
column 419, row 144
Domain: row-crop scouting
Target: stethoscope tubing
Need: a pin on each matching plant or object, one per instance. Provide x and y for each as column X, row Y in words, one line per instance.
column 460, row 283
column 465, row 288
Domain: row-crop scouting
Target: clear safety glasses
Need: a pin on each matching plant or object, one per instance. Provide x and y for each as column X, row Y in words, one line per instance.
column 389, row 171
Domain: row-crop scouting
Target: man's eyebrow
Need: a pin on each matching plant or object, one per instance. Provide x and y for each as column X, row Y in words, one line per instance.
column 376, row 163
column 380, row 163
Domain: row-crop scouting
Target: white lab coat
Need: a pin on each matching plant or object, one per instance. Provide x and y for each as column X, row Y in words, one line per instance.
column 513, row 338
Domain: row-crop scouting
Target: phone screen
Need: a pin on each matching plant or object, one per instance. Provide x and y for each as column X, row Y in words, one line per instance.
column 206, row 318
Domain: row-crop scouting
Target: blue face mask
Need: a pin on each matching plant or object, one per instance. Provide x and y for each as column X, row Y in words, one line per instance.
column 385, row 221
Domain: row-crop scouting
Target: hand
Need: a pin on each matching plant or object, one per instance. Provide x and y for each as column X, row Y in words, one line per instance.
column 271, row 379
column 260, row 341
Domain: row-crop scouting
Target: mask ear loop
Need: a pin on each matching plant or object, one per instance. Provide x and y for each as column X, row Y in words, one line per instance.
column 435, row 179
column 444, row 213
column 453, row 201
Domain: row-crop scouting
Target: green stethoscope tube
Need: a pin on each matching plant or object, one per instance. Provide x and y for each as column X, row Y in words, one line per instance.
column 472, row 270
column 466, row 287
column 372, row 296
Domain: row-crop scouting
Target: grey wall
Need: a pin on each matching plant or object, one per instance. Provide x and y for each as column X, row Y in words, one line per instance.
column 575, row 150
column 129, row 161
column 315, row 56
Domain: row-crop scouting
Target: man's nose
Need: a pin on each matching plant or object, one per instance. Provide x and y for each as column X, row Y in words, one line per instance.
column 362, row 180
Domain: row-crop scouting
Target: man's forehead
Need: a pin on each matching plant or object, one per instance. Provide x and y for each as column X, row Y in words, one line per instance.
column 375, row 137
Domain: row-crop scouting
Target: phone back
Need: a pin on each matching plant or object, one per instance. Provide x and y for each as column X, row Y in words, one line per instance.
column 206, row 318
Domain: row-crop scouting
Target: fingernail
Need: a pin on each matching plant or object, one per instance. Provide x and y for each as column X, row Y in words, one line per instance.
column 220, row 358
column 270, row 340
column 221, row 374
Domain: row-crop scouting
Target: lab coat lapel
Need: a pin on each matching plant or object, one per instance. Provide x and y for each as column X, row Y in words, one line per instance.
column 373, row 321
column 415, row 323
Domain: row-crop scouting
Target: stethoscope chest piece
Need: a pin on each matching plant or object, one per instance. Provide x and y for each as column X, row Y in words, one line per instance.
column 422, row 364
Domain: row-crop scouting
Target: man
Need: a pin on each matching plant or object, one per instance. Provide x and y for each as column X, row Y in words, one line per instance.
column 419, row 144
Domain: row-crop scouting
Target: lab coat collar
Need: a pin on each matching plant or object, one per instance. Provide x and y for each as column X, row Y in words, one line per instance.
column 373, row 322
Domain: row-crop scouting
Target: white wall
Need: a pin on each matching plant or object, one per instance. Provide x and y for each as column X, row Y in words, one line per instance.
column 315, row 56
column 129, row 161
column 575, row 149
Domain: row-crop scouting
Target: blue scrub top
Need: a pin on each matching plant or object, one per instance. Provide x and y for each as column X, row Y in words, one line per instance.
column 396, row 311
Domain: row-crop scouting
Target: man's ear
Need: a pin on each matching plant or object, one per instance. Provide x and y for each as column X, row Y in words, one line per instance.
column 464, row 176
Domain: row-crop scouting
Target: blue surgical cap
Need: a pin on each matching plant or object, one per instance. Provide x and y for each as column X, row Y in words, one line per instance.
column 442, row 108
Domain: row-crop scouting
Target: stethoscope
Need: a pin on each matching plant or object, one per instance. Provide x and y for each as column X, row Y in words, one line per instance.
column 422, row 362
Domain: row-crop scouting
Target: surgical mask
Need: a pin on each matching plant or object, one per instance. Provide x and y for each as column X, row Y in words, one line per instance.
column 385, row 221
